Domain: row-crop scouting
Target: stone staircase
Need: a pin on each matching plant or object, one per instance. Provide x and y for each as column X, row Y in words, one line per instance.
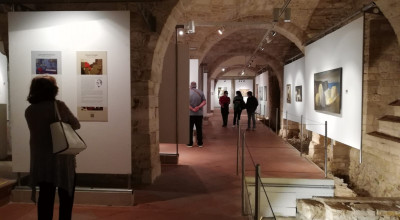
column 388, row 125
column 6, row 187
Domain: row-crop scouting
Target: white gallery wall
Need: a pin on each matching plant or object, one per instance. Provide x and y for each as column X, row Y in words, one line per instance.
column 109, row 143
column 3, row 80
column 294, row 75
column 262, row 81
column 194, row 72
column 340, row 49
column 243, row 84
column 222, row 84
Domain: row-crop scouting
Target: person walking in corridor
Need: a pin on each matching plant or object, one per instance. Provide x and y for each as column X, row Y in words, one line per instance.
column 251, row 106
column 224, row 102
column 238, row 105
column 196, row 102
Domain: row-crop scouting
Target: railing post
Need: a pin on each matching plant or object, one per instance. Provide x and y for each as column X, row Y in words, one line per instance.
column 257, row 194
column 287, row 127
column 326, row 148
column 237, row 151
column 243, row 175
column 276, row 122
column 301, row 135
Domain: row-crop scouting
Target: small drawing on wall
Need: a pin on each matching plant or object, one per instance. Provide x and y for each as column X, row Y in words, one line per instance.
column 289, row 93
column 327, row 91
column 265, row 93
column 221, row 91
column 299, row 94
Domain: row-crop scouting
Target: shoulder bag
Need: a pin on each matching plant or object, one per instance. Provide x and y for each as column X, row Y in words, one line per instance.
column 65, row 139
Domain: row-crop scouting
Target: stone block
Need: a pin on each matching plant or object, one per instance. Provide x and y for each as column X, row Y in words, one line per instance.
column 310, row 209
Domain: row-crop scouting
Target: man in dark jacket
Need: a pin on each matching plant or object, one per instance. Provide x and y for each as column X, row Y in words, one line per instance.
column 251, row 106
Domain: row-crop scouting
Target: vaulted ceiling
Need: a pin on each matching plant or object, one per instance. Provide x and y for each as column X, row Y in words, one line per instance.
column 246, row 24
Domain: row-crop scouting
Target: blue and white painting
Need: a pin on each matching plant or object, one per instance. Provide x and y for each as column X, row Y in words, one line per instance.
column 328, row 91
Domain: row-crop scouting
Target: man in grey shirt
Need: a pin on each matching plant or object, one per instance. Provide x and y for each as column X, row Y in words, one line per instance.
column 196, row 103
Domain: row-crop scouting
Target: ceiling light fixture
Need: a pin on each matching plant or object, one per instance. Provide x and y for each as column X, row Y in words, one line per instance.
column 273, row 33
column 181, row 32
column 242, row 73
column 223, row 69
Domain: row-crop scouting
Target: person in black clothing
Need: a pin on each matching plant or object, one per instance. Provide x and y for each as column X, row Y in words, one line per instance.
column 238, row 106
column 251, row 106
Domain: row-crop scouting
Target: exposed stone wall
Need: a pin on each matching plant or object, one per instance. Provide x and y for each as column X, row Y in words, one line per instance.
column 379, row 171
column 145, row 85
column 348, row 208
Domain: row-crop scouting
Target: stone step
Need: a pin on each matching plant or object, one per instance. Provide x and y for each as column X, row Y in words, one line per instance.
column 5, row 190
column 395, row 103
column 385, row 136
column 389, row 124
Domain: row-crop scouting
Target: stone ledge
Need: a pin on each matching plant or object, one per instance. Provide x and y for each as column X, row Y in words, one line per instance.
column 384, row 136
column 390, row 118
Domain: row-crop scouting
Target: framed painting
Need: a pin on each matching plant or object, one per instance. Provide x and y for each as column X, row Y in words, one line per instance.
column 328, row 91
column 299, row 93
column 260, row 93
column 289, row 93
column 265, row 93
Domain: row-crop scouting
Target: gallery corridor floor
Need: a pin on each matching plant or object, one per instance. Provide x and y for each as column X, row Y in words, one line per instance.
column 204, row 184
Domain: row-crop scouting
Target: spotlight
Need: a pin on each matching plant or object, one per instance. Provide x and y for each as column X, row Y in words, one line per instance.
column 190, row 28
column 221, row 30
column 273, row 33
column 242, row 73
column 262, row 48
column 223, row 69
column 181, row 32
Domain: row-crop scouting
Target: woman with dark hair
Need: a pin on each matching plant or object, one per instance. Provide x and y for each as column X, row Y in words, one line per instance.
column 238, row 105
column 48, row 170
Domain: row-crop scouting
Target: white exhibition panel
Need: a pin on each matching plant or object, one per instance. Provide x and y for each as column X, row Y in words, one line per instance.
column 211, row 102
column 342, row 48
column 243, row 84
column 194, row 71
column 262, row 81
column 205, row 91
column 222, row 84
column 3, row 80
column 294, row 75
column 109, row 143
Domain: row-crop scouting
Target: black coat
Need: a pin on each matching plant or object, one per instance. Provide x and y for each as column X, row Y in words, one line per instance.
column 251, row 104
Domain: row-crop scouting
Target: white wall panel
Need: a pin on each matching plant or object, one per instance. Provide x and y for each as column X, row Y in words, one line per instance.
column 294, row 75
column 109, row 143
column 342, row 48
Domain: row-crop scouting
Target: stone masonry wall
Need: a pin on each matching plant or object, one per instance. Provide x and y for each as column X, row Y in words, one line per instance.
column 379, row 171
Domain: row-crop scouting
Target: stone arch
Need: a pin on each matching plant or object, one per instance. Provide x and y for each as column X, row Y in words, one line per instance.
column 391, row 10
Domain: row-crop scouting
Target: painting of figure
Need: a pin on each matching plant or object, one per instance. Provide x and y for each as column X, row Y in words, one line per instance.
column 299, row 94
column 289, row 93
column 328, row 91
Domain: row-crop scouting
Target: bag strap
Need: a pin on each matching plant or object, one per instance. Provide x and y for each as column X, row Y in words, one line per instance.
column 198, row 93
column 57, row 113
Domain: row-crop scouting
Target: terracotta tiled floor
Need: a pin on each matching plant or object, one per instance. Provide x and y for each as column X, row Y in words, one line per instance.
column 204, row 184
